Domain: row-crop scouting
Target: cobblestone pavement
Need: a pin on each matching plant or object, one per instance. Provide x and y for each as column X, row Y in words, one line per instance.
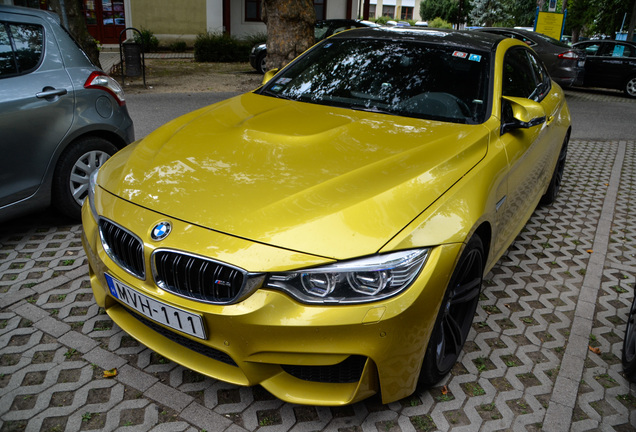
column 544, row 352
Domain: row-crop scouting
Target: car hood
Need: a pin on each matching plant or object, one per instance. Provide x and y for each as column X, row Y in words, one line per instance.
column 321, row 180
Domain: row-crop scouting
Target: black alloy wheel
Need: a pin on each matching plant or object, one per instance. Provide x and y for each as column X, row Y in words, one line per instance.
column 629, row 344
column 557, row 177
column 456, row 314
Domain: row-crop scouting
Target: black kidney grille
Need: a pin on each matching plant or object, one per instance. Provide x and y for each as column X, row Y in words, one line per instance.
column 123, row 247
column 197, row 278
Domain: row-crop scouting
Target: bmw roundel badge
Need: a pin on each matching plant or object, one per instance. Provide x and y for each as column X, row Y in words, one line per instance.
column 161, row 231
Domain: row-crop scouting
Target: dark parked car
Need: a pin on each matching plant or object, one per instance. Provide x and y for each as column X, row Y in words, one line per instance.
column 61, row 117
column 323, row 30
column 565, row 64
column 610, row 64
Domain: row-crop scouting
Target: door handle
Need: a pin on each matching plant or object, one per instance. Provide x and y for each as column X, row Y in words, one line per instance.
column 50, row 92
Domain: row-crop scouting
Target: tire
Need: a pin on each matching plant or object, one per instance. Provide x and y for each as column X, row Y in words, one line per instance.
column 73, row 170
column 629, row 344
column 261, row 62
column 551, row 193
column 630, row 87
column 456, row 314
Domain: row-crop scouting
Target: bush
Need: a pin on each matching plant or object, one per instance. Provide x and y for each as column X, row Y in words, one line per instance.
column 147, row 39
column 179, row 46
column 217, row 47
column 255, row 39
column 440, row 23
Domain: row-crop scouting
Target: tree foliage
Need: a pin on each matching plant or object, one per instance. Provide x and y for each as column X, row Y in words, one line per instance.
column 521, row 12
column 598, row 17
column 610, row 15
column 585, row 17
column 448, row 10
column 488, row 12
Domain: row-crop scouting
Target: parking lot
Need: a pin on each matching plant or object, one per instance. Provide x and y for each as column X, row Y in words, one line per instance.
column 544, row 352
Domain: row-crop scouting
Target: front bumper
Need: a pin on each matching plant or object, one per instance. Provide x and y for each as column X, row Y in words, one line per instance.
column 318, row 355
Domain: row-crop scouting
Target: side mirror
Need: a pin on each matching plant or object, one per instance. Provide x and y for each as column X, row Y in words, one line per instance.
column 520, row 113
column 269, row 75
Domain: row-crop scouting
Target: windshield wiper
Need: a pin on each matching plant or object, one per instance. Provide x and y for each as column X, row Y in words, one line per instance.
column 373, row 109
column 276, row 95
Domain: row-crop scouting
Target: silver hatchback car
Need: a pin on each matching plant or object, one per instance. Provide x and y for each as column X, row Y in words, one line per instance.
column 61, row 117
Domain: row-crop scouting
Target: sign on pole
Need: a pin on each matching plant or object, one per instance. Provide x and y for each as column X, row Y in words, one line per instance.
column 550, row 24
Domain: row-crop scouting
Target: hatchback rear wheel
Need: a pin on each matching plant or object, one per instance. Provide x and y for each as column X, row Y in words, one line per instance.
column 261, row 62
column 456, row 314
column 77, row 163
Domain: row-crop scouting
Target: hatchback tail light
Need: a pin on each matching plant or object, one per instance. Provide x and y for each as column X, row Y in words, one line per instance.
column 99, row 80
column 569, row 55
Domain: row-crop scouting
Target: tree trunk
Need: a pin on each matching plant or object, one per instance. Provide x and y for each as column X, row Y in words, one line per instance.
column 73, row 20
column 632, row 24
column 290, row 29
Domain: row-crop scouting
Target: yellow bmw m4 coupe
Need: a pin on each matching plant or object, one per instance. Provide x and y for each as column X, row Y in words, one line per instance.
column 326, row 235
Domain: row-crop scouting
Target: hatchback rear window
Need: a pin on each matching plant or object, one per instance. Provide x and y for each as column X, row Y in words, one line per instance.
column 21, row 48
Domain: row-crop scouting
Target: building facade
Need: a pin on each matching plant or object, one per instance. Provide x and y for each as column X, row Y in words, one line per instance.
column 395, row 9
column 171, row 21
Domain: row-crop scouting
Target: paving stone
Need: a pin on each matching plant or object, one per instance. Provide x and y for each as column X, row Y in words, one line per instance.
column 169, row 396
column 204, row 418
column 78, row 341
column 135, row 378
column 104, row 359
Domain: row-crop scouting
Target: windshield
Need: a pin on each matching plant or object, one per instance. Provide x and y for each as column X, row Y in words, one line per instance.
column 402, row 78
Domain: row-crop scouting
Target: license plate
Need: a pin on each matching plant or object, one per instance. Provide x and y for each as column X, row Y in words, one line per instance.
column 163, row 313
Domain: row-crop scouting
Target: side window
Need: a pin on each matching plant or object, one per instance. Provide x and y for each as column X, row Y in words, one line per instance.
column 21, row 48
column 592, row 49
column 7, row 59
column 321, row 30
column 620, row 50
column 544, row 82
column 518, row 76
column 28, row 43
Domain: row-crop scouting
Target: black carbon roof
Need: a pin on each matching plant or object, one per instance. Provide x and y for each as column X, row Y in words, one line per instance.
column 452, row 38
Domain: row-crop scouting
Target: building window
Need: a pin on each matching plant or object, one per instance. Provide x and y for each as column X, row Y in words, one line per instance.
column 407, row 13
column 388, row 11
column 253, row 10
column 320, row 6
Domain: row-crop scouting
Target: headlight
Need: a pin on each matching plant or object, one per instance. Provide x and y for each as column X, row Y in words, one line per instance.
column 92, row 184
column 358, row 281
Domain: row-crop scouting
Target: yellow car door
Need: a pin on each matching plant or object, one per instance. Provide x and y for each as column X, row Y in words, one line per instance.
column 530, row 104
